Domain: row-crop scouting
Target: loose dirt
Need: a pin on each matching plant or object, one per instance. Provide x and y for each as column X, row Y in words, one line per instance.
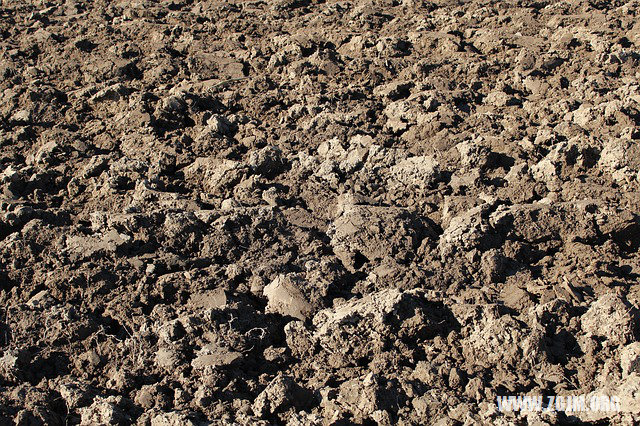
column 317, row 212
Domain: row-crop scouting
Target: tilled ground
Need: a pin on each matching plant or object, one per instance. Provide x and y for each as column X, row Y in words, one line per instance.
column 300, row 212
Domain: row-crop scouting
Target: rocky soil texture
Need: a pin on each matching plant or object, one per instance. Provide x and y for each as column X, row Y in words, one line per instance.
column 317, row 212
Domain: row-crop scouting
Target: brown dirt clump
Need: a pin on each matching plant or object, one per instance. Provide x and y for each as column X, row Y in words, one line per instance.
column 317, row 212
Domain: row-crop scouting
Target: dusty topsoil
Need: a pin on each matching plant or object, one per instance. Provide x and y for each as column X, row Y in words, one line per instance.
column 304, row 212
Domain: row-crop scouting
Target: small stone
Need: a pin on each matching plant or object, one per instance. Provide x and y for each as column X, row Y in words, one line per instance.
column 215, row 356
column 150, row 269
column 273, row 354
column 230, row 204
column 41, row 300
column 219, row 124
column 285, row 297
column 21, row 116
column 209, row 299
column 455, row 380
